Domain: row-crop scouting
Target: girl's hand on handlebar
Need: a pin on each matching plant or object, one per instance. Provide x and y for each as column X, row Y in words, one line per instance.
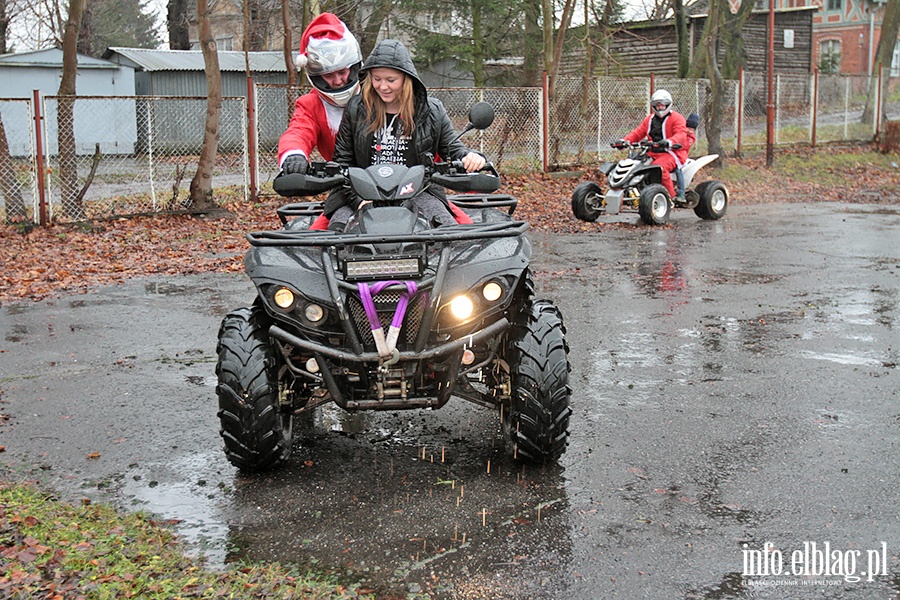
column 473, row 162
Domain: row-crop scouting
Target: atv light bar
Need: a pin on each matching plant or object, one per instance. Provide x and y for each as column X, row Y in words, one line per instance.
column 377, row 269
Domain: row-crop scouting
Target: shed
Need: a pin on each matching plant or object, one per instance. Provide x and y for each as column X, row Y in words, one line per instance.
column 177, row 125
column 24, row 72
column 649, row 47
column 183, row 72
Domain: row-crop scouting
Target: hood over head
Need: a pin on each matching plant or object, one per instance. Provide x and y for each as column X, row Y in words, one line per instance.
column 394, row 55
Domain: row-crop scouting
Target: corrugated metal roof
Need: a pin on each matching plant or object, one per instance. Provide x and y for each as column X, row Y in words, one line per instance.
column 192, row 60
column 53, row 57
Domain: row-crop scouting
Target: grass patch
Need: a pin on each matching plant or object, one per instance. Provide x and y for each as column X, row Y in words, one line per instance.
column 829, row 168
column 50, row 549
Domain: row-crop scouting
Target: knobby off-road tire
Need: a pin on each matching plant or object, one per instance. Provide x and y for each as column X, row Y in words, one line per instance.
column 653, row 205
column 256, row 431
column 713, row 200
column 585, row 201
column 536, row 421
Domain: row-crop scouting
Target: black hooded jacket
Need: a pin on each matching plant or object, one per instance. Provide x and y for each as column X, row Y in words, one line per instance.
column 433, row 132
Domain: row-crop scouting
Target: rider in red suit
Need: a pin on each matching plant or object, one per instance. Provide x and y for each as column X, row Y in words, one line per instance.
column 667, row 127
column 332, row 59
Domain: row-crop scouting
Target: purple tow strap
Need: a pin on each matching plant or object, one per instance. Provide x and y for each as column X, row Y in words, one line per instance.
column 385, row 346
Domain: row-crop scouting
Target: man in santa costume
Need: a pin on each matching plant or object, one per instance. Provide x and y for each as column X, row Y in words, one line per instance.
column 332, row 59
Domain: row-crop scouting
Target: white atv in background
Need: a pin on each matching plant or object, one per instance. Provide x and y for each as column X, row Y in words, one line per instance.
column 636, row 183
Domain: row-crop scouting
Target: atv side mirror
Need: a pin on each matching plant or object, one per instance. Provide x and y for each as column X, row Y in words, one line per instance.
column 481, row 115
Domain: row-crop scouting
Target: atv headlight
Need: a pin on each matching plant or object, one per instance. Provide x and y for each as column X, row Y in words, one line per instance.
column 492, row 291
column 314, row 312
column 462, row 307
column 284, row 298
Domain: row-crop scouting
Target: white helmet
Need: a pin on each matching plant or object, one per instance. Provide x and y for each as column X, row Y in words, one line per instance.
column 327, row 46
column 661, row 97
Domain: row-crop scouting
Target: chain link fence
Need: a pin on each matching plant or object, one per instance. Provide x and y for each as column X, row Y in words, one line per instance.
column 18, row 183
column 107, row 156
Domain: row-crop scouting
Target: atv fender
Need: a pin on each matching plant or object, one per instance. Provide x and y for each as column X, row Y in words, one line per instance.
column 693, row 165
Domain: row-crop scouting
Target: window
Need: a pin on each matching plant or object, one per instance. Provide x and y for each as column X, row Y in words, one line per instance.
column 830, row 57
column 895, row 61
column 222, row 43
column 833, row 5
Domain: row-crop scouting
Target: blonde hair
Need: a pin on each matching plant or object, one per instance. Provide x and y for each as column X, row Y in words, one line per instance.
column 376, row 109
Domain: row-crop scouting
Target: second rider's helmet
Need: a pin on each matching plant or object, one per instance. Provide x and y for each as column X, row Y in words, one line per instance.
column 328, row 46
column 661, row 97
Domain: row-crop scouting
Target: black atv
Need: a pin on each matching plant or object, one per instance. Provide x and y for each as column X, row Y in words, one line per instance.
column 392, row 314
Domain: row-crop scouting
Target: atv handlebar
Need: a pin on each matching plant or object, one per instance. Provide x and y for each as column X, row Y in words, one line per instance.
column 324, row 176
column 453, row 175
column 644, row 145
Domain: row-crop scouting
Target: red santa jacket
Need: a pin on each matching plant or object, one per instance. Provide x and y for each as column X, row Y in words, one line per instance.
column 313, row 125
column 674, row 129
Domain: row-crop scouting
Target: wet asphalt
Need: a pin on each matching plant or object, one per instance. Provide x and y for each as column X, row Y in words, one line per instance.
column 736, row 425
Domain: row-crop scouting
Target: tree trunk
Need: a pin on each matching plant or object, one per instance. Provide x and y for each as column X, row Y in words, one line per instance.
column 5, row 18
column 682, row 39
column 9, row 183
column 177, row 22
column 65, row 115
column 531, row 45
column 890, row 25
column 201, row 184
column 478, row 45
column 288, row 43
column 368, row 36
column 708, row 67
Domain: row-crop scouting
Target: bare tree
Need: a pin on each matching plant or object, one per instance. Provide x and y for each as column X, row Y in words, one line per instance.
column 201, row 184
column 554, row 37
column 890, row 25
column 9, row 10
column 65, row 114
column 41, row 22
column 720, row 42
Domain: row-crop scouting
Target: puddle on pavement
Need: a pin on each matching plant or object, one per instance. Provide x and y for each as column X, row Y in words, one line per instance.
column 399, row 514
column 197, row 504
column 201, row 380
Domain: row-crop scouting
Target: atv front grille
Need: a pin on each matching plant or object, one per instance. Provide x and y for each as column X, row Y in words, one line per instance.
column 622, row 169
column 386, row 306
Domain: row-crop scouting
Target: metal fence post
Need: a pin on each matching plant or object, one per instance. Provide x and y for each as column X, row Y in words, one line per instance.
column 878, row 104
column 251, row 139
column 815, row 104
column 545, row 122
column 739, row 113
column 44, row 218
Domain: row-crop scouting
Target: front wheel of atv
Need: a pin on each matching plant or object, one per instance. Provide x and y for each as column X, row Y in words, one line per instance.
column 653, row 205
column 257, row 432
column 713, row 200
column 536, row 420
column 586, row 201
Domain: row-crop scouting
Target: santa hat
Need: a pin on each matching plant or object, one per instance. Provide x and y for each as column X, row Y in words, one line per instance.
column 326, row 26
